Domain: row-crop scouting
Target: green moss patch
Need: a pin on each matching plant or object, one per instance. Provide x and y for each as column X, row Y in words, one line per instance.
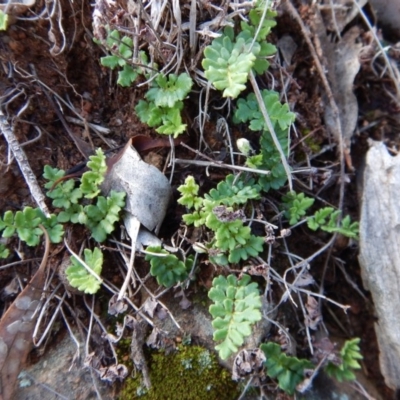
column 192, row 372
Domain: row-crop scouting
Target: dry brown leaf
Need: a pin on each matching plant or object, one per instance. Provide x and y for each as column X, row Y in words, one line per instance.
column 313, row 317
column 16, row 328
column 148, row 191
column 342, row 59
column 249, row 362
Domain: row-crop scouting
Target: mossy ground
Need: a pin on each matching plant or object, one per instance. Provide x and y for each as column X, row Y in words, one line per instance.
column 191, row 372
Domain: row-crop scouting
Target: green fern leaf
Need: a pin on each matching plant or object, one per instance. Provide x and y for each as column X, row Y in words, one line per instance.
column 77, row 275
column 167, row 268
column 349, row 353
column 7, row 224
column 236, row 307
column 172, row 121
column 248, row 111
column 227, row 64
column 189, row 194
column 3, row 20
column 4, row 252
column 289, row 371
column 125, row 47
column 296, row 206
column 52, row 226
column 169, row 89
column 252, row 248
column 110, row 61
column 27, row 226
column 91, row 180
column 52, row 175
column 149, row 113
column 234, row 191
column 113, row 39
column 102, row 216
column 65, row 194
column 127, row 76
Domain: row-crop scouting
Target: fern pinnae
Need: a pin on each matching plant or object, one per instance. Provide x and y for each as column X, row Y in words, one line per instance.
column 237, row 306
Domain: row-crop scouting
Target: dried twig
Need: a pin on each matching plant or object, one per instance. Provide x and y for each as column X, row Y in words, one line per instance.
column 213, row 163
column 270, row 127
column 24, row 165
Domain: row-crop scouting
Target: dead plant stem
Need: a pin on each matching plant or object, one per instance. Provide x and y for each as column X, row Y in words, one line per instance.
column 271, row 129
column 23, row 164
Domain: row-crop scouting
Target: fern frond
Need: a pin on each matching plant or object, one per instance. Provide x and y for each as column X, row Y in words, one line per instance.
column 237, row 306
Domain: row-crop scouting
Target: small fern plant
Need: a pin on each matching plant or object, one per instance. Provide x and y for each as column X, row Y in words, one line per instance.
column 164, row 102
column 25, row 224
column 289, row 371
column 100, row 216
column 327, row 219
column 236, row 307
column 121, row 57
column 167, row 268
column 86, row 277
column 220, row 212
column 296, row 206
column 229, row 59
column 349, row 354
column 248, row 111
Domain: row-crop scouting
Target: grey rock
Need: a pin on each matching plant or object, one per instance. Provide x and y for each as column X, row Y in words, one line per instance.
column 380, row 253
column 55, row 377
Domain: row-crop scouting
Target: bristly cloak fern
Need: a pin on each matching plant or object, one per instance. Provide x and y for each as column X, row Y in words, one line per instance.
column 237, row 306
column 99, row 217
column 219, row 212
column 164, row 102
column 229, row 59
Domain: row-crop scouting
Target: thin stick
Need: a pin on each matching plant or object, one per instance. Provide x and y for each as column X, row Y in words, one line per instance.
column 88, row 269
column 134, row 233
column 23, row 164
column 271, row 129
column 382, row 50
column 218, row 165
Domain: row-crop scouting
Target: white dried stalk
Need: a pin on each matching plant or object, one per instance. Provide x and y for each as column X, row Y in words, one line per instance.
column 271, row 129
column 23, row 164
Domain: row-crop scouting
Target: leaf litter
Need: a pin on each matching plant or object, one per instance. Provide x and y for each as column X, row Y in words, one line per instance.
column 162, row 31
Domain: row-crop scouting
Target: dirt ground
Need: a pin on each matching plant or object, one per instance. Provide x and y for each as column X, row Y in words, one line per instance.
column 50, row 71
